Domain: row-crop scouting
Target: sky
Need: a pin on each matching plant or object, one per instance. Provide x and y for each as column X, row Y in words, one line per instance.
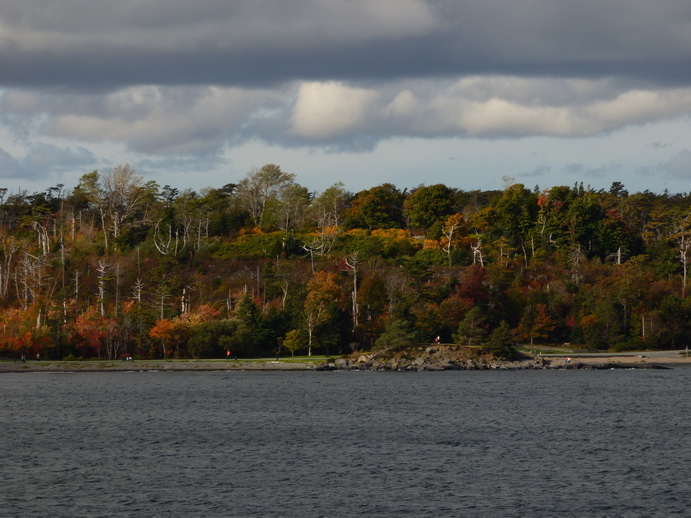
column 411, row 92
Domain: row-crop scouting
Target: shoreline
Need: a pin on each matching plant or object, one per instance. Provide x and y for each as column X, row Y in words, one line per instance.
column 637, row 361
column 548, row 362
column 153, row 365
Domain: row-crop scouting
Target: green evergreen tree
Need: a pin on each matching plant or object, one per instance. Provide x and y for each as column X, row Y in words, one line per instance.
column 473, row 328
column 501, row 344
column 398, row 334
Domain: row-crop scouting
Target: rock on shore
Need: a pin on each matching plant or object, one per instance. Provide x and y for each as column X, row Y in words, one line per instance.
column 433, row 358
column 456, row 357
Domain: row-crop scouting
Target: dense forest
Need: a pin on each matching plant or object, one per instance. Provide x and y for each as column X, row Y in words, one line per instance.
column 119, row 266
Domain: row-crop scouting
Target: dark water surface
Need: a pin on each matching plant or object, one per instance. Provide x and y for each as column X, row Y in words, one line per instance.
column 529, row 443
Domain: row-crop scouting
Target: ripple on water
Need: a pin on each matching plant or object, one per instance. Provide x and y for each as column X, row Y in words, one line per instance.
column 545, row 443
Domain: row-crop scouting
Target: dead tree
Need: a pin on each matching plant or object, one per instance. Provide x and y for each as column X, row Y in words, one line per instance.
column 353, row 262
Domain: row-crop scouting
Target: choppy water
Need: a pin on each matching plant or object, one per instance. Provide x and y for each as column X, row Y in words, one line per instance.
column 531, row 443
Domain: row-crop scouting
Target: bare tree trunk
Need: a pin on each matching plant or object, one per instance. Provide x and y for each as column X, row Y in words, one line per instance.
column 575, row 259
column 477, row 253
column 5, row 269
column 76, row 293
column 684, row 245
column 284, row 289
column 118, row 281
column 184, row 301
column 105, row 230
column 138, row 285
column 352, row 262
column 309, row 339
column 199, row 234
column 162, row 245
column 102, row 269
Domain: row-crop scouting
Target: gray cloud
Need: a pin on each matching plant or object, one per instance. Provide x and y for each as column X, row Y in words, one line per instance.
column 10, row 167
column 177, row 82
column 538, row 172
column 679, row 166
column 149, row 119
column 582, row 171
column 42, row 160
column 85, row 44
column 175, row 165
column 337, row 116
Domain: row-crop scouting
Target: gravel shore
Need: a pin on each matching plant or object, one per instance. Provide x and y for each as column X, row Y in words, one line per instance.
column 574, row 361
column 632, row 361
column 153, row 365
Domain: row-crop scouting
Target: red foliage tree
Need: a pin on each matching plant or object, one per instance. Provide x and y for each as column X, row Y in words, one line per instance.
column 100, row 333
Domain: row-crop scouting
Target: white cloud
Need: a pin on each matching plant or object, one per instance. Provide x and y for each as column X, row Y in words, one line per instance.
column 500, row 117
column 640, row 107
column 519, row 107
column 329, row 110
column 160, row 120
column 204, row 121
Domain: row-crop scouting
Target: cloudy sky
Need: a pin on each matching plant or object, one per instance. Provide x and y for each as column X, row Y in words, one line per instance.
column 463, row 92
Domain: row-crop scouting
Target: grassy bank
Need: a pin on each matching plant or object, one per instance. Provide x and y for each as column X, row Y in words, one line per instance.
column 296, row 363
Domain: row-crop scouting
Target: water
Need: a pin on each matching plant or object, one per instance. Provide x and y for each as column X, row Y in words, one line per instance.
column 529, row 443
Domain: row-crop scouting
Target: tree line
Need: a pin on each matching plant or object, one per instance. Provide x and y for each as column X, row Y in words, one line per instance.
column 119, row 266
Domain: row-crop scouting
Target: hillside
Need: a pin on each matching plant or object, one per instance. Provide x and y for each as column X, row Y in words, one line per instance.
column 117, row 267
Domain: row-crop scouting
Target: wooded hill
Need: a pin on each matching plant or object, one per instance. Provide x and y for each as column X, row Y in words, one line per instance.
column 118, row 266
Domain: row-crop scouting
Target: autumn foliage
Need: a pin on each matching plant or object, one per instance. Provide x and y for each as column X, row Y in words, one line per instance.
column 117, row 267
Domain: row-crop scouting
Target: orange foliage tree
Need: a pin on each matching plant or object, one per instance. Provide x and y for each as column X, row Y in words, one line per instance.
column 536, row 323
column 19, row 334
column 100, row 333
column 174, row 333
column 322, row 290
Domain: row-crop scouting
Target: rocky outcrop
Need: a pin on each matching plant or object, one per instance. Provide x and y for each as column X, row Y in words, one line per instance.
column 432, row 358
column 455, row 357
